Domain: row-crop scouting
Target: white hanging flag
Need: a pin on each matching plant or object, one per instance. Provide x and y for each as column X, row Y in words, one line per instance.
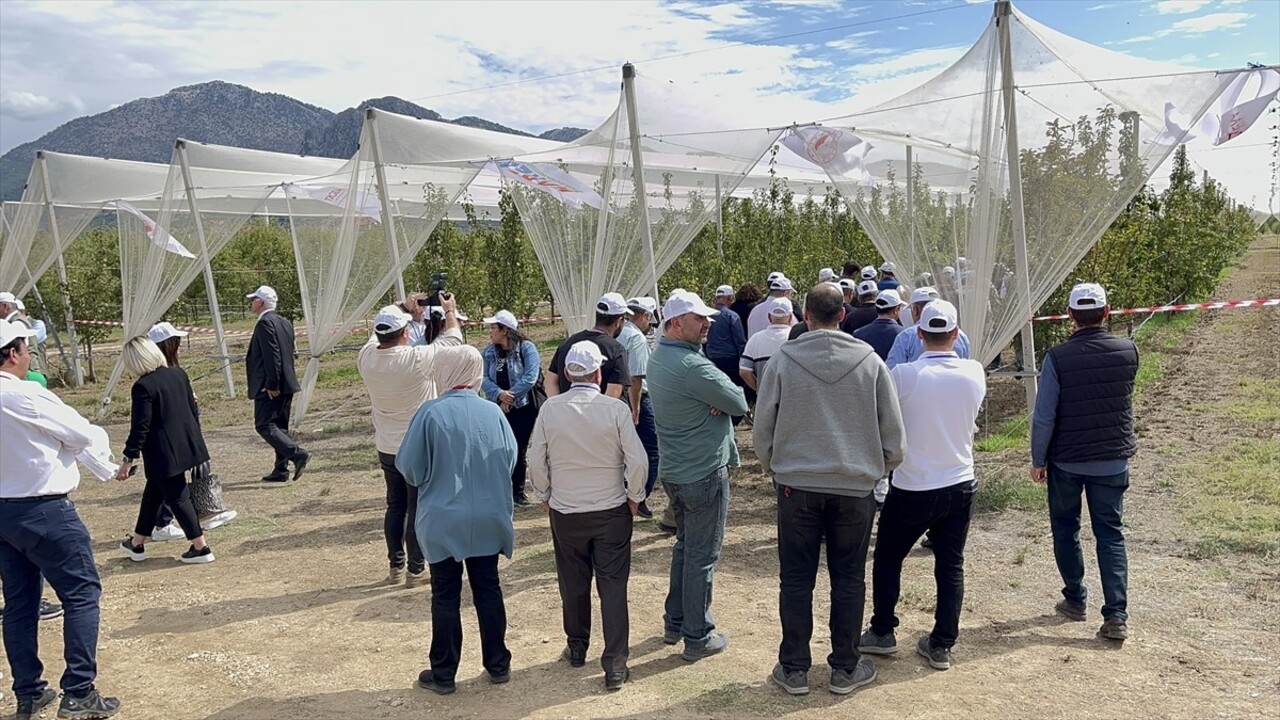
column 1235, row 115
column 553, row 181
column 169, row 242
column 834, row 150
column 366, row 205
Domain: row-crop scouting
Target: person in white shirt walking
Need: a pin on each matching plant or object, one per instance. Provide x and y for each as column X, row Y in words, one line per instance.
column 932, row 490
column 400, row 377
column 758, row 319
column 588, row 468
column 763, row 345
column 41, row 534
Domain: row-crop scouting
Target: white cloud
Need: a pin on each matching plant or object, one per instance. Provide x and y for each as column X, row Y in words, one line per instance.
column 1137, row 39
column 22, row 105
column 1102, row 6
column 1206, row 24
column 1179, row 7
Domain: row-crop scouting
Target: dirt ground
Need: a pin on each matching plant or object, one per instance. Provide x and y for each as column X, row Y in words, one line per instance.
column 293, row 620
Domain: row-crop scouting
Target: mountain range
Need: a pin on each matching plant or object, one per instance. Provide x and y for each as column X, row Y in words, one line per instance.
column 221, row 113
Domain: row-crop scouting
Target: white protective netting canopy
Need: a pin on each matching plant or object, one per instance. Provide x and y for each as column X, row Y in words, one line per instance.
column 1091, row 128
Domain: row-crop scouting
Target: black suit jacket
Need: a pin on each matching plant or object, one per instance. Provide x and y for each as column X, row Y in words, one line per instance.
column 164, row 429
column 269, row 363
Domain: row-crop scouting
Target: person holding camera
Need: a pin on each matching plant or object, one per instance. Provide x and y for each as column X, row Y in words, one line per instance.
column 511, row 369
column 399, row 378
column 416, row 307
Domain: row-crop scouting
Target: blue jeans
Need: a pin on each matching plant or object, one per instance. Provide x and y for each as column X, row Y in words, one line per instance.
column 1105, row 495
column 701, row 508
column 648, row 432
column 46, row 537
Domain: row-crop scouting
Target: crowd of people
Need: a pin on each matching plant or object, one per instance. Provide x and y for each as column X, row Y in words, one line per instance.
column 861, row 401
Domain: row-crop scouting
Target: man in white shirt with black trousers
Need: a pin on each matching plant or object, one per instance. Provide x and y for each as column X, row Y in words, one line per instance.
column 41, row 534
column 932, row 490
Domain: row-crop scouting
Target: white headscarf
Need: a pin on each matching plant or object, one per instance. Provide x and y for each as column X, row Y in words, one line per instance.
column 457, row 366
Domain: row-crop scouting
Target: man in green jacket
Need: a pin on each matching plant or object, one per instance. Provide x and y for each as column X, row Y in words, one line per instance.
column 693, row 402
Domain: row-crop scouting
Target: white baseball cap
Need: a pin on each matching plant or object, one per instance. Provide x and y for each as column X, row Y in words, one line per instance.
column 390, row 319
column 265, row 293
column 780, row 283
column 505, row 318
column 643, row 302
column 778, row 307
column 584, row 357
column 683, row 302
column 888, row 267
column 725, row 291
column 826, row 275
column 1087, row 296
column 888, row 299
column 774, row 276
column 10, row 331
column 948, row 270
column 939, row 316
column 848, row 284
column 867, row 273
column 612, row 303
column 923, row 294
column 8, row 297
column 163, row 331
column 867, row 287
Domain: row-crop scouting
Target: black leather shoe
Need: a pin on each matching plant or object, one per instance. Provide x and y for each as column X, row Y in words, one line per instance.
column 427, row 681
column 300, row 463
column 577, row 657
column 29, row 708
column 615, row 680
column 278, row 476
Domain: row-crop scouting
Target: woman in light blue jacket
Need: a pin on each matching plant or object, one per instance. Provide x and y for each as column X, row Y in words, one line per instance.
column 511, row 367
column 458, row 453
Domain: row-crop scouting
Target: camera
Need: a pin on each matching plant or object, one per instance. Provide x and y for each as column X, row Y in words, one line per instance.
column 435, row 321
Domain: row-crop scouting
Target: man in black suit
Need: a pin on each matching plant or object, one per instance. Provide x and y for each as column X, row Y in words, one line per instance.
column 272, row 383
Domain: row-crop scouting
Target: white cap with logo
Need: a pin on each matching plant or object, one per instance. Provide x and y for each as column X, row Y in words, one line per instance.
column 390, row 319
column 826, row 275
column 683, row 302
column 10, row 331
column 867, row 273
column 923, row 294
column 725, row 291
column 939, row 316
column 778, row 307
column 888, row 267
column 612, row 303
column 505, row 318
column 867, row 287
column 584, row 357
column 848, row 284
column 780, row 283
column 643, row 302
column 163, row 331
column 265, row 293
column 774, row 276
column 888, row 299
column 1087, row 296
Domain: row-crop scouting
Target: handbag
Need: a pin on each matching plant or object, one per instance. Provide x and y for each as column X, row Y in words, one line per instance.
column 538, row 393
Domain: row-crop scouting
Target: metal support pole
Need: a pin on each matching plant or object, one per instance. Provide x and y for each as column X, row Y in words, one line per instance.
column 719, row 219
column 637, row 167
column 911, row 217
column 76, row 375
column 388, row 220
column 212, row 291
column 1003, row 13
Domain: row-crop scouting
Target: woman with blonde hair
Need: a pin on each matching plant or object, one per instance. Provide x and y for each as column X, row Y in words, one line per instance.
column 165, row 432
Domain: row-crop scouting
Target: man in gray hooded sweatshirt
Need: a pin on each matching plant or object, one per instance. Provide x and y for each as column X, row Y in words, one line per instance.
column 824, row 471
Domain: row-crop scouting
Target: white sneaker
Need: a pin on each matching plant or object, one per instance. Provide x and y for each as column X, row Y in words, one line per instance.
column 219, row 519
column 167, row 533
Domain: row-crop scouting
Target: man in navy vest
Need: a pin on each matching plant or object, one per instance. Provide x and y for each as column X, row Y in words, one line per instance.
column 1081, row 441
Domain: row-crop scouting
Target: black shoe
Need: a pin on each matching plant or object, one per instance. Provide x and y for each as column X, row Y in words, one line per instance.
column 927, row 542
column 615, row 680
column 644, row 511
column 577, row 657
column 500, row 678
column 29, row 708
column 939, row 658
column 94, row 706
column 1114, row 628
column 278, row 476
column 520, row 500
column 427, row 681
column 668, row 529
column 1071, row 611
column 50, row 611
column 197, row 557
column 300, row 463
column 136, row 553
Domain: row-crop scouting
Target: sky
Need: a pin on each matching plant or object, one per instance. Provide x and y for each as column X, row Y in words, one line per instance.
column 537, row 65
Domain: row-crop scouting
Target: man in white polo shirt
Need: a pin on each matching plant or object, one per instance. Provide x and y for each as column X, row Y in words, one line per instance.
column 399, row 377
column 932, row 490
column 588, row 467
column 762, row 345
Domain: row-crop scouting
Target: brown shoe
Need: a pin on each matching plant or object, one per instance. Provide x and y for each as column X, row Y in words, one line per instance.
column 396, row 576
column 1114, row 629
column 1070, row 610
column 413, row 580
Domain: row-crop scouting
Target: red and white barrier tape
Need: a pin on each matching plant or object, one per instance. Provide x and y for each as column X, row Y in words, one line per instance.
column 1219, row 305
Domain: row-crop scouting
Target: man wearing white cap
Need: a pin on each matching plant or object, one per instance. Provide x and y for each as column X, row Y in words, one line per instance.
column 400, row 377
column 827, row 275
column 864, row 313
column 824, row 462
column 693, row 403
column 932, row 490
column 272, row 383
column 762, row 346
column 12, row 309
column 908, row 347
column 868, row 273
column 42, row 535
column 888, row 279
column 779, row 287
column 726, row 339
column 849, row 288
column 1081, row 441
column 634, row 338
column 611, row 308
column 881, row 333
column 588, row 468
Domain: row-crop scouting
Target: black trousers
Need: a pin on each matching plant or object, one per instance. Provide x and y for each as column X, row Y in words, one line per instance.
column 595, row 544
column 446, row 616
column 944, row 514
column 271, row 420
column 804, row 519
column 521, row 421
column 173, row 492
column 398, row 522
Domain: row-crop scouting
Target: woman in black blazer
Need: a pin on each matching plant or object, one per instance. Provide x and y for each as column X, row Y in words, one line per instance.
column 165, row 432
